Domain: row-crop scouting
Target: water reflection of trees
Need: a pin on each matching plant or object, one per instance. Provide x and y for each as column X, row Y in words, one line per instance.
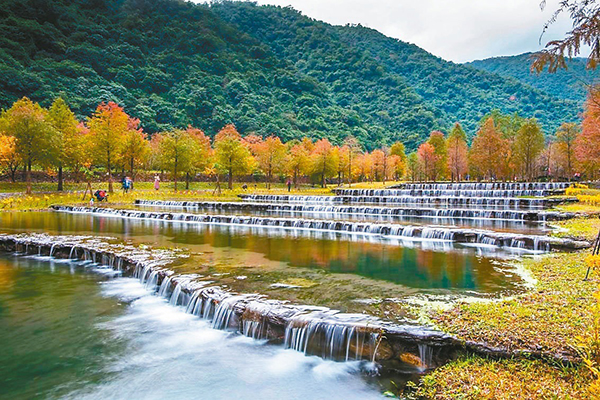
column 416, row 265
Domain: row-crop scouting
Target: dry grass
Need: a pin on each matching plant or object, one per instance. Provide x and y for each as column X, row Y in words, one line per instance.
column 472, row 377
column 202, row 191
column 545, row 319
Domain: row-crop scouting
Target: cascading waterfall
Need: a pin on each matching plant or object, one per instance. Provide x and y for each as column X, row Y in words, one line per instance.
column 447, row 201
column 152, row 280
column 388, row 211
column 311, row 330
column 449, row 192
column 174, row 299
column 313, row 333
column 426, row 356
column 164, row 287
column 388, row 231
column 225, row 311
column 488, row 186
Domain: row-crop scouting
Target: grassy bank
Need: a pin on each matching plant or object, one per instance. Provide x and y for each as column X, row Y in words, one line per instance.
column 471, row 377
column 586, row 225
column 547, row 320
column 543, row 320
column 45, row 194
column 73, row 195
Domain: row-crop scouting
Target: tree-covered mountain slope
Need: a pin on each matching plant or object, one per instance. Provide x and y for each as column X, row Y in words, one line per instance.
column 572, row 84
column 170, row 63
column 268, row 70
column 452, row 91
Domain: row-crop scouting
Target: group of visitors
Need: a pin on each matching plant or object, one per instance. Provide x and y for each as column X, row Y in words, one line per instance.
column 127, row 185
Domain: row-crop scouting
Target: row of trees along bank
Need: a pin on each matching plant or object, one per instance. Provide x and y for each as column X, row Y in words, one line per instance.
column 505, row 147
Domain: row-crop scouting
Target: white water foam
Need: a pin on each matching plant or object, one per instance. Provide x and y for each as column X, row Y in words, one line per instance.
column 172, row 354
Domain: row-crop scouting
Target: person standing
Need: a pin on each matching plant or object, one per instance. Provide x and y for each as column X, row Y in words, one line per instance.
column 289, row 185
column 156, row 182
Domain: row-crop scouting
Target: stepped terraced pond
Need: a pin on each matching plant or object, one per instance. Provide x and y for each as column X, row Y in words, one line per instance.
column 281, row 297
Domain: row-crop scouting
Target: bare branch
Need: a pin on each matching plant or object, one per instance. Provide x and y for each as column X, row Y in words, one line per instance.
column 586, row 32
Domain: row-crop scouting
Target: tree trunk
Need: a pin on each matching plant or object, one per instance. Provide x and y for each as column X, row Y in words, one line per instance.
column 187, row 181
column 109, row 171
column 110, row 182
column 230, row 179
column 60, row 178
column 13, row 174
column 570, row 175
column 175, row 177
column 28, row 176
column 88, row 188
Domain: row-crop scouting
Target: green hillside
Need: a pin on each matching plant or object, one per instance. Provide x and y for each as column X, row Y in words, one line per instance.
column 571, row 84
column 266, row 69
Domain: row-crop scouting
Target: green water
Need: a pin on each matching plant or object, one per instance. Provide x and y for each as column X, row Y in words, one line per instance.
column 410, row 266
column 67, row 334
column 51, row 343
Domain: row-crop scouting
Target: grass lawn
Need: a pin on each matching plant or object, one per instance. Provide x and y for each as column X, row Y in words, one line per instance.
column 471, row 377
column 45, row 194
column 547, row 320
column 543, row 320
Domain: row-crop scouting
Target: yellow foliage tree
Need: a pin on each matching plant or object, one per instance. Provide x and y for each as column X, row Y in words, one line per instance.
column 27, row 122
column 9, row 158
column 65, row 136
column 108, row 126
column 270, row 155
column 232, row 155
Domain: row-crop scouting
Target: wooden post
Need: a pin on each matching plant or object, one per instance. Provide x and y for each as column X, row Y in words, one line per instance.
column 88, row 188
column 218, row 185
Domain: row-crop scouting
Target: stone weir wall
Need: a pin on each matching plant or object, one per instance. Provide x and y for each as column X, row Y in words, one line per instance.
column 311, row 330
column 448, row 192
column 393, row 231
column 486, row 186
column 447, row 201
column 419, row 212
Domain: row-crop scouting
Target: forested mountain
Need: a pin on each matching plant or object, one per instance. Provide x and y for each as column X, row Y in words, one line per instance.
column 266, row 69
column 571, row 84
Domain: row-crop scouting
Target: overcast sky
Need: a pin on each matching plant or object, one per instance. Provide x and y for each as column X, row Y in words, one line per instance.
column 456, row 30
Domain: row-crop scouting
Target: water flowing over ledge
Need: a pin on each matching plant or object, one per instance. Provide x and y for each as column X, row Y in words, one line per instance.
column 366, row 229
column 454, row 201
column 432, row 213
column 486, row 186
column 449, row 192
column 312, row 330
